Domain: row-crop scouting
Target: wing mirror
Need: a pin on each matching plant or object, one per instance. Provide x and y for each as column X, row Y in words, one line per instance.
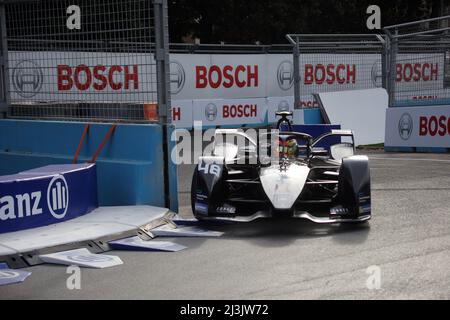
column 342, row 150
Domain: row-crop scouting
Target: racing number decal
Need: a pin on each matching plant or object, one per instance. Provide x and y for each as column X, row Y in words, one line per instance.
column 213, row 169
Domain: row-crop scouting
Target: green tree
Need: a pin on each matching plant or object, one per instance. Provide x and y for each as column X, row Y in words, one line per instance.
column 267, row 21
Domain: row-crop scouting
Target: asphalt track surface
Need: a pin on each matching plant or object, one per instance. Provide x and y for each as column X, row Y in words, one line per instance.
column 408, row 238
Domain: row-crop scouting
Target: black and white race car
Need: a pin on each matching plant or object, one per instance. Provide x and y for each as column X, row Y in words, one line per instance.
column 282, row 173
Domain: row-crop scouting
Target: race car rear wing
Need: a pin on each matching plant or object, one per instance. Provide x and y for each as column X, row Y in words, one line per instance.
column 342, row 132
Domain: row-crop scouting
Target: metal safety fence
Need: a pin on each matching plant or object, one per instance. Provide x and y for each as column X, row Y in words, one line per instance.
column 419, row 62
column 85, row 59
column 326, row 63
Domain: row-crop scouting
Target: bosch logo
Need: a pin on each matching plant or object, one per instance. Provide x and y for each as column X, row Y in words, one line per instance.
column 98, row 78
column 211, row 112
column 27, row 78
column 240, row 111
column 436, row 125
column 227, row 77
column 285, row 75
column 176, row 113
column 177, row 77
column 330, row 74
column 376, row 74
column 88, row 258
column 408, row 72
column 405, row 126
column 283, row 106
column 58, row 197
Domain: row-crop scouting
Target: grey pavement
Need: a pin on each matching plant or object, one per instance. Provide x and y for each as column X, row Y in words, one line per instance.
column 408, row 238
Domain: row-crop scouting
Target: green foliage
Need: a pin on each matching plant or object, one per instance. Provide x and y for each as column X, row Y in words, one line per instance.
column 267, row 21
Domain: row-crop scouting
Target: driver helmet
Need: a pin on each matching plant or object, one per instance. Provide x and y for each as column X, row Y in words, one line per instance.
column 288, row 149
column 292, row 148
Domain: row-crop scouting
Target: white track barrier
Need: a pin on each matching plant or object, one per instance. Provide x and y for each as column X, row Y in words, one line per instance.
column 102, row 222
column 362, row 111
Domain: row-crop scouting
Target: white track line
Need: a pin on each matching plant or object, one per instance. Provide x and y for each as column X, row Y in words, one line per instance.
column 411, row 159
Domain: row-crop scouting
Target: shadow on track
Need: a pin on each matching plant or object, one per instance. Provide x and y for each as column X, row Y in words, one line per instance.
column 282, row 232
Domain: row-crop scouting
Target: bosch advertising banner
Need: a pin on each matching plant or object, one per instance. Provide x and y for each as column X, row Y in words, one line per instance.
column 337, row 72
column 182, row 113
column 269, row 75
column 277, row 104
column 75, row 76
column 212, row 76
column 102, row 77
column 47, row 195
column 419, row 77
column 230, row 111
column 418, row 127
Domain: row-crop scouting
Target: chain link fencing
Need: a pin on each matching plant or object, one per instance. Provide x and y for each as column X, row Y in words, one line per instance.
column 419, row 62
column 328, row 63
column 83, row 59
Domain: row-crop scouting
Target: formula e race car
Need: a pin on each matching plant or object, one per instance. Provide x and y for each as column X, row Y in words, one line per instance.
column 282, row 173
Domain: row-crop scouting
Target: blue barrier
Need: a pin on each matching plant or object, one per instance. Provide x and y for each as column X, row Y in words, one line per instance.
column 312, row 116
column 47, row 195
column 173, row 175
column 432, row 150
column 129, row 168
column 417, row 149
column 422, row 103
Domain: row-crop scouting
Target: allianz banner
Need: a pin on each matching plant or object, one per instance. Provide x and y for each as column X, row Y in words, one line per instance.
column 418, row 127
column 47, row 195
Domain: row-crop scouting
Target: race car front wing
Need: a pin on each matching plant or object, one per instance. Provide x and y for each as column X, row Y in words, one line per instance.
column 297, row 214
